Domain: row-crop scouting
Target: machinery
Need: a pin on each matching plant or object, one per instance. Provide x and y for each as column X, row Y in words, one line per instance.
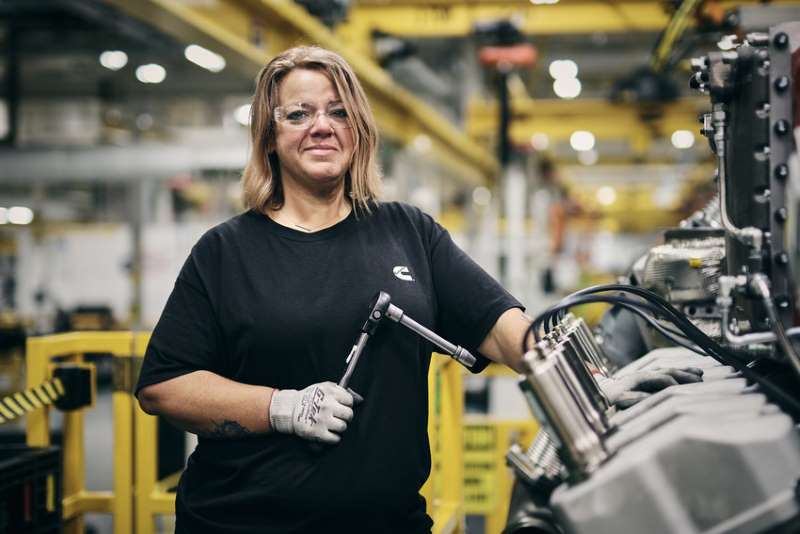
column 718, row 456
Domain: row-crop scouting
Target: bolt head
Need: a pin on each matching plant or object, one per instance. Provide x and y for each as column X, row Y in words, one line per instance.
column 376, row 314
column 781, row 83
column 781, row 214
column 781, row 171
column 781, row 127
column 782, row 258
column 781, row 40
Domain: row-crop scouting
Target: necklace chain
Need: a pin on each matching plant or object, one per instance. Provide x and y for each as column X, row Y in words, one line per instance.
column 312, row 229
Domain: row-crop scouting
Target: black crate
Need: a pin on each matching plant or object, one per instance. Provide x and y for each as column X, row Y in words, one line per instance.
column 30, row 490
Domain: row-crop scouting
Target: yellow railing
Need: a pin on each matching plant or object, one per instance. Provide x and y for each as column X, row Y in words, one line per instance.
column 138, row 496
column 77, row 499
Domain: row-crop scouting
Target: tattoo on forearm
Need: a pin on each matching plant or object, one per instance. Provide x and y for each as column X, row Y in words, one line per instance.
column 227, row 429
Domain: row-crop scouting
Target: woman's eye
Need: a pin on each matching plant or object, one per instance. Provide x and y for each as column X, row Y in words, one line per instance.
column 339, row 113
column 297, row 115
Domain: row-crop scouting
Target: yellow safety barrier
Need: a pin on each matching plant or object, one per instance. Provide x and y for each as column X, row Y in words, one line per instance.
column 487, row 478
column 77, row 499
column 443, row 489
column 33, row 398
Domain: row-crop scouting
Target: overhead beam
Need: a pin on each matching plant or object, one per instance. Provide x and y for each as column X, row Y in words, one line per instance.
column 456, row 18
column 558, row 119
column 250, row 32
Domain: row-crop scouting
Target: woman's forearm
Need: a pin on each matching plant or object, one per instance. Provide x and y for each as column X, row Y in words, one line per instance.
column 209, row 405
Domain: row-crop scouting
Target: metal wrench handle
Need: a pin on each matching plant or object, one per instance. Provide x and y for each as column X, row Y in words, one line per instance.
column 460, row 354
column 352, row 359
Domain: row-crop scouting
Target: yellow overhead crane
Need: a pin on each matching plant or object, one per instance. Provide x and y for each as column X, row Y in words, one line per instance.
column 456, row 18
column 558, row 119
column 249, row 32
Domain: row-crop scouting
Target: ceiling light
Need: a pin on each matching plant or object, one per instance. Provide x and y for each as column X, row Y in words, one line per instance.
column 204, row 57
column 567, row 87
column 422, row 143
column 544, row 2
column 606, row 195
column 113, row 59
column 588, row 157
column 581, row 140
column 151, row 73
column 481, row 196
column 3, row 215
column 563, row 68
column 682, row 139
column 540, row 141
column 20, row 215
column 242, row 115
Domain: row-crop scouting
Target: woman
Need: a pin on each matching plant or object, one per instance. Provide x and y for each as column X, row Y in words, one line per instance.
column 268, row 305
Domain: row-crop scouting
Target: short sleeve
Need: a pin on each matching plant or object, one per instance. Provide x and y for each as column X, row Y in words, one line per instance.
column 187, row 335
column 469, row 300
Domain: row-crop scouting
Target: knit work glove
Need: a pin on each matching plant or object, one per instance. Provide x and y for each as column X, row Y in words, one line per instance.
column 318, row 413
column 625, row 391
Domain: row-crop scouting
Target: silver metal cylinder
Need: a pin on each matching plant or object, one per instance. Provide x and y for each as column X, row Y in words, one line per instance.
column 553, row 391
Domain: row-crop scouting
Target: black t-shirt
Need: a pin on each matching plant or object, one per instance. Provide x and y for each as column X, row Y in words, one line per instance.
column 263, row 304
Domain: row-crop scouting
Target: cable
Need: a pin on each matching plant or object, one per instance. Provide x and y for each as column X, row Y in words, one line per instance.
column 633, row 307
column 712, row 348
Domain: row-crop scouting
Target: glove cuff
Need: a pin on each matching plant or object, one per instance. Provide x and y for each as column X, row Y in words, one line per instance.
column 280, row 410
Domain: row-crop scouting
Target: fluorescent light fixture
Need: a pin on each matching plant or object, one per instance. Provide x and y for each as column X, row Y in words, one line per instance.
column 682, row 139
column 151, row 73
column 540, row 141
column 113, row 59
column 581, row 140
column 20, row 215
column 563, row 68
column 544, row 2
column 242, row 115
column 588, row 157
column 203, row 57
column 422, row 143
column 567, row 87
column 606, row 195
column 481, row 196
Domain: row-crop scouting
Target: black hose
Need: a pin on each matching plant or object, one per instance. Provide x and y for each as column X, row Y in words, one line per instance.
column 694, row 334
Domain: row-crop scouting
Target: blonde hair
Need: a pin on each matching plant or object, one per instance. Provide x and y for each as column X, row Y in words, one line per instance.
column 261, row 179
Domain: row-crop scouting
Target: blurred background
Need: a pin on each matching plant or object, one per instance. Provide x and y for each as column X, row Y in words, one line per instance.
column 553, row 138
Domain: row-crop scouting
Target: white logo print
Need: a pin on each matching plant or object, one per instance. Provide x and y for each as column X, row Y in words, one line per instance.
column 402, row 272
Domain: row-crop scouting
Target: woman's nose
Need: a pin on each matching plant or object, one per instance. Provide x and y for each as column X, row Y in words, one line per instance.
column 321, row 123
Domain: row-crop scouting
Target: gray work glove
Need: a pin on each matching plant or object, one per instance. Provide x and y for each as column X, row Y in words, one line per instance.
column 318, row 413
column 625, row 391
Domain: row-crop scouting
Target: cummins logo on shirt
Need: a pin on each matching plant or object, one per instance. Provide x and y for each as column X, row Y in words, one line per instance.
column 402, row 272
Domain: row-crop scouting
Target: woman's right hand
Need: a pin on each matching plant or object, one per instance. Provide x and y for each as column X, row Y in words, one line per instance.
column 320, row 412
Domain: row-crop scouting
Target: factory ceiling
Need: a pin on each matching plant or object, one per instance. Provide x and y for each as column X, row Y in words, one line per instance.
column 435, row 87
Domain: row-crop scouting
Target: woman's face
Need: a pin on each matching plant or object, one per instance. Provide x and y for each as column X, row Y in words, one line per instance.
column 319, row 154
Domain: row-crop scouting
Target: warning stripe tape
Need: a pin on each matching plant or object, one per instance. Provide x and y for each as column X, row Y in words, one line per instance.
column 22, row 402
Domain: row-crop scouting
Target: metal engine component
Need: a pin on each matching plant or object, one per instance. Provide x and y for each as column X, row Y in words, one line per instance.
column 562, row 392
column 686, row 268
column 721, row 455
column 714, row 456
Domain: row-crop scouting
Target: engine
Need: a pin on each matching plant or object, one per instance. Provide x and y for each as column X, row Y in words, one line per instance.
column 721, row 455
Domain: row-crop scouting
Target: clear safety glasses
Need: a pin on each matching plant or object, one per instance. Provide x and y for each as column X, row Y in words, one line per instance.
column 300, row 116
